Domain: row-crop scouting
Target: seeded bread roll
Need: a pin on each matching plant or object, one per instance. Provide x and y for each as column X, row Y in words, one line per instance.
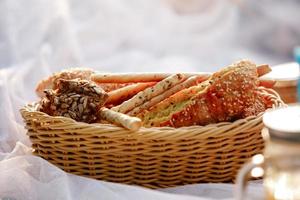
column 76, row 99
column 226, row 96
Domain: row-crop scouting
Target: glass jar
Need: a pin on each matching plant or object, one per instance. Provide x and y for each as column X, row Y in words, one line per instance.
column 280, row 163
column 282, row 152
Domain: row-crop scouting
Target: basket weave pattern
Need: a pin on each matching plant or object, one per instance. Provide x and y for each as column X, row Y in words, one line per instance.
column 151, row 157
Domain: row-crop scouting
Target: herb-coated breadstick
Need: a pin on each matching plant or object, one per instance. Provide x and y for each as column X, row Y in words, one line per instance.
column 127, row 92
column 185, row 84
column 138, row 77
column 149, row 93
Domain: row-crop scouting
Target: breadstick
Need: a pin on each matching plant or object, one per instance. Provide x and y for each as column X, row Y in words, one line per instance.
column 138, row 77
column 186, row 84
column 108, row 87
column 155, row 77
column 127, row 92
column 149, row 93
column 263, row 69
column 131, row 123
column 268, row 83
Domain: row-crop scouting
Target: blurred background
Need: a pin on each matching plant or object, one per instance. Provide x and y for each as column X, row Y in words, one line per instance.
column 147, row 35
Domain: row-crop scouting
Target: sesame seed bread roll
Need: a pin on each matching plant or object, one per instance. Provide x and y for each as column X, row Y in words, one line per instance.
column 185, row 84
column 138, row 77
column 225, row 96
column 126, row 92
column 131, row 123
column 149, row 93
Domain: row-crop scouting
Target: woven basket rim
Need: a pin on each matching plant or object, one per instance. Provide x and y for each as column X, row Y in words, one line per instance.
column 234, row 127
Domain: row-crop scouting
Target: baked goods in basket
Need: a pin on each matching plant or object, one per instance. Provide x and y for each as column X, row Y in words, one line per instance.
column 116, row 148
column 158, row 99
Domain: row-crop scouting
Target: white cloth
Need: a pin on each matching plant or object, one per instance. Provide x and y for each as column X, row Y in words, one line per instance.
column 40, row 37
column 161, row 35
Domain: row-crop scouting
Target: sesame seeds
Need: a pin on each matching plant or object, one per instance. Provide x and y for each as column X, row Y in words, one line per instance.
column 222, row 98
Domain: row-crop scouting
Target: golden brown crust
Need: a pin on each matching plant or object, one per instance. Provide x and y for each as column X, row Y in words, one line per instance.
column 73, row 73
column 193, row 80
column 109, row 87
column 139, row 77
column 149, row 93
column 131, row 123
column 119, row 95
column 226, row 96
column 260, row 105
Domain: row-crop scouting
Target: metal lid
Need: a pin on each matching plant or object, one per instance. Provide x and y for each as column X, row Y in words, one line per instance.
column 286, row 75
column 284, row 123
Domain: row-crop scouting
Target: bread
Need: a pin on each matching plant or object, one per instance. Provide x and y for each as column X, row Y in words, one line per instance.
column 227, row 95
column 122, row 94
column 52, row 81
column 80, row 100
column 131, row 123
column 176, row 100
column 149, row 93
column 193, row 80
column 73, row 73
column 139, row 77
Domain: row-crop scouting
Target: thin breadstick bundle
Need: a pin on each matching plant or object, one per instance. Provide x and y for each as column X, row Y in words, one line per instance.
column 149, row 93
column 131, row 123
column 138, row 77
column 126, row 92
column 148, row 104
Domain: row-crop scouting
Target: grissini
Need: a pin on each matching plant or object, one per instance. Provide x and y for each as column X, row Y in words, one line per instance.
column 267, row 83
column 115, row 79
column 126, row 92
column 139, row 77
column 154, row 77
column 131, row 123
column 194, row 80
column 263, row 69
column 149, row 93
column 108, row 87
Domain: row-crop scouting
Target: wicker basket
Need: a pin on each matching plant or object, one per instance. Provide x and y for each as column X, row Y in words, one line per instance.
column 151, row 157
